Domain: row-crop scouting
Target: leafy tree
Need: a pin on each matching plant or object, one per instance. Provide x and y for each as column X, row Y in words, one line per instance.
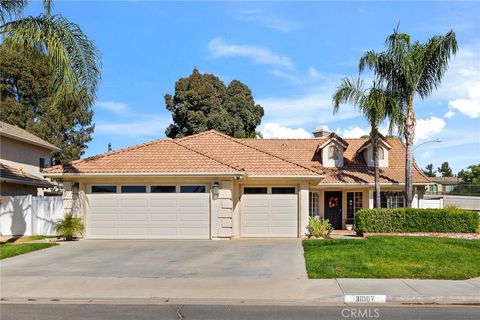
column 26, row 100
column 411, row 69
column 429, row 172
column 445, row 170
column 471, row 174
column 377, row 105
column 74, row 59
column 203, row 102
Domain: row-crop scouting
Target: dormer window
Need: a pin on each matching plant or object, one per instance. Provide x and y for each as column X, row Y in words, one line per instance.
column 381, row 154
column 333, row 153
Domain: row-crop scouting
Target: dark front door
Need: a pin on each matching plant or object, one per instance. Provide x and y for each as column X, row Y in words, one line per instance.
column 333, row 208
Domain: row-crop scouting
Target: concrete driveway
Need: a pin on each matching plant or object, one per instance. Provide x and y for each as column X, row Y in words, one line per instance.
column 264, row 259
column 240, row 270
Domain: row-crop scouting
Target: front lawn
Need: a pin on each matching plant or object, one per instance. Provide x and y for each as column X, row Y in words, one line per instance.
column 10, row 250
column 393, row 257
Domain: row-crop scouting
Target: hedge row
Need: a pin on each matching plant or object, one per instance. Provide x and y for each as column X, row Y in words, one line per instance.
column 416, row 220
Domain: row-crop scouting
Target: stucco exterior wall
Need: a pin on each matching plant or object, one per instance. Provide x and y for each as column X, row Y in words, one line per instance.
column 330, row 163
column 22, row 155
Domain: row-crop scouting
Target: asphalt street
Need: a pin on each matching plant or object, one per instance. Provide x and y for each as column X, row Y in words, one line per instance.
column 211, row 312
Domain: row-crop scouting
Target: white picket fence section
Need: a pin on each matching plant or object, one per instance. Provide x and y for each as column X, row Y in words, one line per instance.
column 29, row 215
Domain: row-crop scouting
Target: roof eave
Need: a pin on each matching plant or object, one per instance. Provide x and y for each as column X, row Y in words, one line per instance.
column 39, row 184
column 15, row 137
column 143, row 174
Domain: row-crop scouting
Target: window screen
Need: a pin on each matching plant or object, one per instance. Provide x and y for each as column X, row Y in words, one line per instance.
column 192, row 189
column 162, row 189
column 134, row 189
column 283, row 190
column 104, row 189
column 255, row 190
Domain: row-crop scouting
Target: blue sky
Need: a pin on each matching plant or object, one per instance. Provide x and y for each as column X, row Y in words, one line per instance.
column 291, row 55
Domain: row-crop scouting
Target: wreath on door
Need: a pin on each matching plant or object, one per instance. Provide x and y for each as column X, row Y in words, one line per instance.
column 332, row 202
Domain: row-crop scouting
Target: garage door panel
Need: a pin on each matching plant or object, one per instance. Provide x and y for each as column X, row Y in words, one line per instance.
column 147, row 216
column 269, row 215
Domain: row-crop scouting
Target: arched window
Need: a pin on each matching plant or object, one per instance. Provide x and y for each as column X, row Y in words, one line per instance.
column 333, row 153
column 381, row 153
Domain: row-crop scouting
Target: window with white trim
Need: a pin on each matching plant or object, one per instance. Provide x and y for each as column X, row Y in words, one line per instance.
column 354, row 203
column 333, row 153
column 314, row 204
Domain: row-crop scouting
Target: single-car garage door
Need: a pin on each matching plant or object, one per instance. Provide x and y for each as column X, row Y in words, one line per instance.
column 269, row 212
column 148, row 216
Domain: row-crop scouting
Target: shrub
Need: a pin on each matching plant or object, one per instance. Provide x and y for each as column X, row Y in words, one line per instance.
column 69, row 227
column 416, row 220
column 318, row 227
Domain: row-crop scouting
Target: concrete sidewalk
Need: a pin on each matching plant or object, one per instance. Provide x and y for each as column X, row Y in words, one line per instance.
column 236, row 291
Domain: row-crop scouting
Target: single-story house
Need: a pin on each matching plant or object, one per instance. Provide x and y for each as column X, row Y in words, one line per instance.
column 210, row 185
column 443, row 185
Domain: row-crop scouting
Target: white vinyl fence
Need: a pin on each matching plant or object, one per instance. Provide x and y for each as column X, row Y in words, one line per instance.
column 29, row 215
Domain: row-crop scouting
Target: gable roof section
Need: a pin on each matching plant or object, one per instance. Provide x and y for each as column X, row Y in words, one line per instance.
column 354, row 170
column 368, row 143
column 333, row 137
column 155, row 157
column 17, row 133
column 255, row 161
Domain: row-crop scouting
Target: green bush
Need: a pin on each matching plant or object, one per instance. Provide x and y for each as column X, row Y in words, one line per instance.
column 318, row 227
column 69, row 227
column 416, row 220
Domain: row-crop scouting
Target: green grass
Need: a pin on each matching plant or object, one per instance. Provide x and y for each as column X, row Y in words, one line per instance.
column 11, row 250
column 22, row 239
column 393, row 257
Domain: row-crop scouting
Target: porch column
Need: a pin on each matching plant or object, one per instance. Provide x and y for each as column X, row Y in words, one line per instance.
column 303, row 208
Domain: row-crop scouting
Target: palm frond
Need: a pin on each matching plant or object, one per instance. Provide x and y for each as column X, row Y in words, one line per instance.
column 11, row 9
column 74, row 58
column 47, row 7
column 350, row 91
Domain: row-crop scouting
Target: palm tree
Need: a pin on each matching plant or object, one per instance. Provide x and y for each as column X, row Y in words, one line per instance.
column 411, row 69
column 74, row 58
column 377, row 105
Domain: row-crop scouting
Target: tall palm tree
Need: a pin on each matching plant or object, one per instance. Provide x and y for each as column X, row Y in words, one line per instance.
column 411, row 69
column 74, row 58
column 377, row 106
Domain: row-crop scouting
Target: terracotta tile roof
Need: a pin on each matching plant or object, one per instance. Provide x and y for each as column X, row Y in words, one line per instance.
column 237, row 152
column 17, row 133
column 18, row 176
column 355, row 169
column 212, row 151
column 159, row 156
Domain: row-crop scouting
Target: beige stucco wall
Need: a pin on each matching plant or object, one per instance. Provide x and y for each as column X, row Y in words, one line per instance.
column 22, row 155
column 368, row 155
column 330, row 163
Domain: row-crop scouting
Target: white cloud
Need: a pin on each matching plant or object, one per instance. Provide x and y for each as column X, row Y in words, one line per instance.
column 449, row 114
column 285, row 75
column 354, row 132
column 314, row 74
column 312, row 108
column 113, row 106
column 274, row 130
column 428, row 128
column 147, row 125
column 469, row 106
column 266, row 19
column 219, row 48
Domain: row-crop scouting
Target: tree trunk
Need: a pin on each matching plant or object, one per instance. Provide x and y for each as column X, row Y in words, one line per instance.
column 376, row 200
column 409, row 133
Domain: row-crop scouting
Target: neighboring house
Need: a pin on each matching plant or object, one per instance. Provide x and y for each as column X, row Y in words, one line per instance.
column 443, row 185
column 22, row 156
column 210, row 185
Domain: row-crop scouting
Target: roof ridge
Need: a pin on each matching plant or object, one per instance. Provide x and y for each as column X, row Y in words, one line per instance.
column 105, row 154
column 205, row 155
column 263, row 151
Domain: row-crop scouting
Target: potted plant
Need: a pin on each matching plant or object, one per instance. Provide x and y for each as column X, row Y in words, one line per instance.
column 349, row 223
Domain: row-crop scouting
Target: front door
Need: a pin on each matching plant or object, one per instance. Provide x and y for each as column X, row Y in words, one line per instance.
column 333, row 208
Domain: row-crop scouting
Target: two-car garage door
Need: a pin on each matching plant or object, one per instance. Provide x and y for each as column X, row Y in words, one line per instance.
column 148, row 216
column 269, row 212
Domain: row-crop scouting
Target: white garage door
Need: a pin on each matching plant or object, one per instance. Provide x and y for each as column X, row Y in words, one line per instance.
column 148, row 216
column 269, row 212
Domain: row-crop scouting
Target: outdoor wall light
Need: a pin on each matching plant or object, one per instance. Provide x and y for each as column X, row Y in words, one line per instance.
column 216, row 188
column 75, row 187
